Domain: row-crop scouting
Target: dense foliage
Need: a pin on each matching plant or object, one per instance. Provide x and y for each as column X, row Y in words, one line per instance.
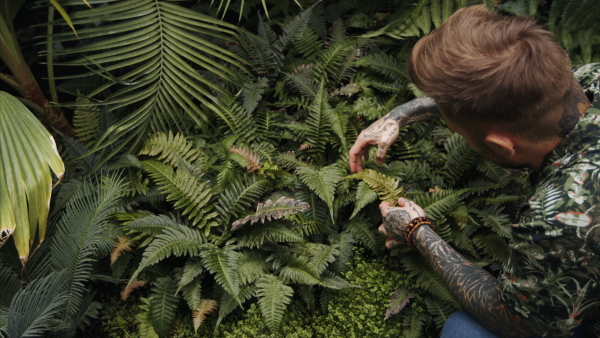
column 207, row 171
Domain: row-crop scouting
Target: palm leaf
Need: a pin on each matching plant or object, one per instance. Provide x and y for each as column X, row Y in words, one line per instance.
column 27, row 150
column 157, row 47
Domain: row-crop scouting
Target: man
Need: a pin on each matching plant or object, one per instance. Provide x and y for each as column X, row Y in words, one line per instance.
column 507, row 87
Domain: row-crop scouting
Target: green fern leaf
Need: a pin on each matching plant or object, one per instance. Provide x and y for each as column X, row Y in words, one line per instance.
column 153, row 224
column 345, row 242
column 365, row 233
column 228, row 303
column 440, row 310
column 493, row 246
column 252, row 93
column 242, row 193
column 492, row 218
column 298, row 270
column 412, row 323
column 388, row 188
column 364, row 196
column 274, row 232
column 163, row 304
column 321, row 255
column 190, row 195
column 294, row 30
column 251, row 266
column 223, row 262
column 144, row 320
column 332, row 281
column 437, row 204
column 460, row 157
column 173, row 241
column 273, row 298
column 323, row 182
column 168, row 148
column 192, row 292
column 192, row 268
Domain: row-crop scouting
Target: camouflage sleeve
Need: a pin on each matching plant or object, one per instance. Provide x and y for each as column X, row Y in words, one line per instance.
column 553, row 274
column 589, row 77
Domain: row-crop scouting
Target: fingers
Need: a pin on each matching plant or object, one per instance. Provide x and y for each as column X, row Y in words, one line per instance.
column 359, row 150
column 389, row 241
column 382, row 149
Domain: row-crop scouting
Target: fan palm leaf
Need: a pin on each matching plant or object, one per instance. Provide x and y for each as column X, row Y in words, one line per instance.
column 157, row 60
column 26, row 151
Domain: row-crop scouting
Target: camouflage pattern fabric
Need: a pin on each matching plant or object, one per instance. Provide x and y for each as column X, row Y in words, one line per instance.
column 552, row 278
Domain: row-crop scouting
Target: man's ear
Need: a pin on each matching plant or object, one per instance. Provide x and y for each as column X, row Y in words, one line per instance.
column 502, row 144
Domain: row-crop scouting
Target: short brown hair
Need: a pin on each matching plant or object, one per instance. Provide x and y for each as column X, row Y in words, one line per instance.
column 488, row 70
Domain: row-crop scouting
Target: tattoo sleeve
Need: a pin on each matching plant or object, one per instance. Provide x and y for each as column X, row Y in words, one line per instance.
column 474, row 288
column 420, row 109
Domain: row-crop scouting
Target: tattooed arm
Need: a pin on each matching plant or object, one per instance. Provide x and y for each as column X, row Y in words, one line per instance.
column 474, row 288
column 384, row 131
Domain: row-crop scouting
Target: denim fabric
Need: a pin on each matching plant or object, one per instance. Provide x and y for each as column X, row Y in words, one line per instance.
column 462, row 325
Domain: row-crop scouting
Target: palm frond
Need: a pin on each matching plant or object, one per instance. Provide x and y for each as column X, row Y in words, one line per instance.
column 156, row 47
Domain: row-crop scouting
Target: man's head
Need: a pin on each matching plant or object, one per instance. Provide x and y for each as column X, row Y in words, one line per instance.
column 489, row 72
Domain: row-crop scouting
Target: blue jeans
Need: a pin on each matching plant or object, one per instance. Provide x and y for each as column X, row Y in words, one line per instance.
column 462, row 325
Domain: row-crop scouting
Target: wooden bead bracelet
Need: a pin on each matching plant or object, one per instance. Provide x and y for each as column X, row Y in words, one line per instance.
column 412, row 227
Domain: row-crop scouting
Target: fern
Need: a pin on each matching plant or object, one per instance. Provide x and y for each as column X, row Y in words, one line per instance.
column 192, row 268
column 252, row 93
column 388, row 188
column 163, row 304
column 412, row 323
column 169, row 148
column 460, row 157
column 365, row 233
column 121, row 245
column 344, row 241
column 130, row 287
column 321, row 255
column 427, row 279
column 364, row 196
column 323, row 182
column 228, row 303
column 240, row 195
column 272, row 211
column 251, row 266
column 205, row 307
column 297, row 269
column 492, row 218
column 222, row 262
column 273, row 297
column 172, row 241
column 251, row 160
column 437, row 204
column 439, row 310
column 144, row 320
column 192, row 292
column 270, row 232
column 400, row 299
column 189, row 194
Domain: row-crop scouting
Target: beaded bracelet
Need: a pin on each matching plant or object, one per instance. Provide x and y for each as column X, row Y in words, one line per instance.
column 412, row 227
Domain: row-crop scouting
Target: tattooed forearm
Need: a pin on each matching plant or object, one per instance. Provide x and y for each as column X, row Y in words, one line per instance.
column 420, row 109
column 473, row 287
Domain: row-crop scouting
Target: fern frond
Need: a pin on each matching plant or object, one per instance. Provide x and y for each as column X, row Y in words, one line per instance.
column 412, row 323
column 175, row 241
column 153, row 224
column 192, row 268
column 85, row 122
column 294, row 30
column 365, row 233
column 252, row 93
column 323, row 182
column 460, row 157
column 345, row 243
column 364, row 196
column 321, row 255
column 289, row 160
column 337, row 61
column 121, row 245
column 192, row 292
column 228, row 303
column 251, row 158
column 275, row 232
column 386, row 65
column 242, row 193
column 130, row 287
column 251, row 266
column 163, row 304
column 206, row 306
column 223, row 262
column 144, row 320
column 491, row 170
column 168, row 148
column 273, row 211
column 388, row 188
column 492, row 218
column 273, row 298
column 440, row 310
column 437, row 204
column 493, row 246
column 332, row 281
column 190, row 195
column 299, row 270
column 400, row 299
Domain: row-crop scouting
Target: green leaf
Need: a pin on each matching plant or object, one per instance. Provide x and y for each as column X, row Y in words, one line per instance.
column 27, row 153
column 323, row 182
column 163, row 304
column 273, row 297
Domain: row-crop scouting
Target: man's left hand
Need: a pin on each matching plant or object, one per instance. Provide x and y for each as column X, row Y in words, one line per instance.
column 396, row 218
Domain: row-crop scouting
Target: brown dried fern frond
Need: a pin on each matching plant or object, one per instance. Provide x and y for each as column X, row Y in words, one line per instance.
column 121, row 245
column 250, row 156
column 132, row 286
column 205, row 307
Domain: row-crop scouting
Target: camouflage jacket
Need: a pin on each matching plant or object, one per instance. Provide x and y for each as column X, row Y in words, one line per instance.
column 552, row 278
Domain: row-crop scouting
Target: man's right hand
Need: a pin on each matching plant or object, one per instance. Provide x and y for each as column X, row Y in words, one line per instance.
column 381, row 133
